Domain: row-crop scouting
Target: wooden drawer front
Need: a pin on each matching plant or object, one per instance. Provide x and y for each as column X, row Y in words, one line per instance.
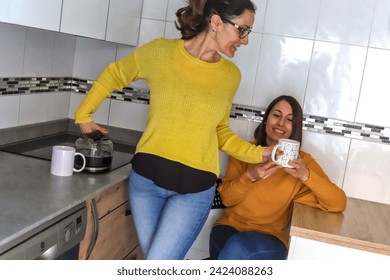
column 111, row 198
column 136, row 254
column 117, row 236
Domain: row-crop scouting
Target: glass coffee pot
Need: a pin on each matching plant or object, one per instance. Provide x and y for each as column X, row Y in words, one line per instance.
column 98, row 150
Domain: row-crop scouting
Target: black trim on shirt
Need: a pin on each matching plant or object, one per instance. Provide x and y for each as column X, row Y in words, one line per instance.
column 172, row 175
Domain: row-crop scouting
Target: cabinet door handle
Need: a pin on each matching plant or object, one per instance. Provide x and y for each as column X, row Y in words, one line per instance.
column 127, row 212
column 95, row 216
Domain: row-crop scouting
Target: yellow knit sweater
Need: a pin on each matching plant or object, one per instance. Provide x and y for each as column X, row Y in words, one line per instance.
column 190, row 102
column 266, row 205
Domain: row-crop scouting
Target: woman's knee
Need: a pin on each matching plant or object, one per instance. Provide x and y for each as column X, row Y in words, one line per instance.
column 253, row 245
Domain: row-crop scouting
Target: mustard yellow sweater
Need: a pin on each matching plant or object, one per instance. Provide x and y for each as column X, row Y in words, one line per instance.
column 266, row 205
column 190, row 102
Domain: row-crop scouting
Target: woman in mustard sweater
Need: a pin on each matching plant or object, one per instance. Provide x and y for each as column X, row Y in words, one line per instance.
column 192, row 86
column 259, row 197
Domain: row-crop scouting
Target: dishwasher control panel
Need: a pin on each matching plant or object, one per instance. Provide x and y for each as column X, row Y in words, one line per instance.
column 53, row 241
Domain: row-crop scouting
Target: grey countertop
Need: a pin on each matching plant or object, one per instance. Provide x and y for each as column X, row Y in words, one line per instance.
column 30, row 197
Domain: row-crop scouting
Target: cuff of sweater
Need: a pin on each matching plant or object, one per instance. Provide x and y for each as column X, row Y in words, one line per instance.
column 90, row 103
column 245, row 179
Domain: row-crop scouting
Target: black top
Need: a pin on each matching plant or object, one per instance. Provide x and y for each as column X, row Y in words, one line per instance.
column 172, row 175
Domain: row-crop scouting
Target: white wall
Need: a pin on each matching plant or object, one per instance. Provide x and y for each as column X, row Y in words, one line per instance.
column 332, row 55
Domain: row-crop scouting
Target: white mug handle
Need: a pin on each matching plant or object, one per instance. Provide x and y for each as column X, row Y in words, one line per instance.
column 277, row 146
column 84, row 162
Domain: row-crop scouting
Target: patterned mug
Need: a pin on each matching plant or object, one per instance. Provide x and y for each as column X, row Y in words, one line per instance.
column 290, row 150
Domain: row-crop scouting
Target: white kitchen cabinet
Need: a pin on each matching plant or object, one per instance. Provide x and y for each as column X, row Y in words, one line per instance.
column 86, row 18
column 306, row 249
column 123, row 22
column 44, row 14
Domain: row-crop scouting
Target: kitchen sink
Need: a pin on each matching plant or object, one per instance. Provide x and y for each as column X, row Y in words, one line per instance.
column 41, row 148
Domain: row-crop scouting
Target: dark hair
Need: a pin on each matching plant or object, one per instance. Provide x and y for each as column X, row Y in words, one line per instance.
column 296, row 134
column 194, row 18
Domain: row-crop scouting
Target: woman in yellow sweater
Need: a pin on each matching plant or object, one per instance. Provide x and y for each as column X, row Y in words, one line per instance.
column 192, row 86
column 259, row 197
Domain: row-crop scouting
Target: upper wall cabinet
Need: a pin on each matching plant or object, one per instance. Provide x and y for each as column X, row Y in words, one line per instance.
column 44, row 14
column 85, row 18
column 123, row 22
column 111, row 20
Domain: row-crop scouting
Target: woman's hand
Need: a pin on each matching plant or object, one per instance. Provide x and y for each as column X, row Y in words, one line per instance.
column 267, row 152
column 299, row 169
column 91, row 127
column 262, row 170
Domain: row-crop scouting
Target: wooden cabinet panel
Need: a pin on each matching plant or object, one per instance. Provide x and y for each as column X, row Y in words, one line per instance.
column 117, row 238
column 110, row 199
column 136, row 254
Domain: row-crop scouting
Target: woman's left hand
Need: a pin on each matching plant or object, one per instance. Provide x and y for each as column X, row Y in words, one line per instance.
column 299, row 169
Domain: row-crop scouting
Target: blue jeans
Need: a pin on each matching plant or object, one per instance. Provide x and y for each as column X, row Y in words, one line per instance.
column 227, row 243
column 167, row 223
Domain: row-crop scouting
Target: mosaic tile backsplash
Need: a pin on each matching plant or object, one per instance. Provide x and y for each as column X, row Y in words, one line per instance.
column 367, row 132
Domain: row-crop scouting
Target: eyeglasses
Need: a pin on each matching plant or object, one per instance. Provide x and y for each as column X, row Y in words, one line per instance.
column 243, row 31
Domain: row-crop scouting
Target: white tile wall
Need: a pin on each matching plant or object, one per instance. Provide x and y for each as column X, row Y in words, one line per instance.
column 261, row 6
column 33, row 108
column 58, row 105
column 297, row 18
column 39, row 53
column 374, row 96
column 283, row 69
column 128, row 115
column 12, row 46
column 380, row 31
column 334, row 80
column 151, row 29
column 171, row 30
column 9, row 111
column 367, row 174
column 331, row 153
column 173, row 6
column 63, row 57
column 347, row 21
column 247, row 58
column 91, row 57
column 333, row 56
column 154, row 9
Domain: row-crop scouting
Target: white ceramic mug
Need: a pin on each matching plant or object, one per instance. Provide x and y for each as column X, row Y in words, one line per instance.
column 290, row 150
column 62, row 161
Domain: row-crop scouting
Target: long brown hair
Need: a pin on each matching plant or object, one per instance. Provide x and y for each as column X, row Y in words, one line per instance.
column 194, row 18
column 296, row 134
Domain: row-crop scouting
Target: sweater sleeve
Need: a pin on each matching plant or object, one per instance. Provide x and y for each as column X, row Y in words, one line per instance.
column 318, row 191
column 233, row 145
column 115, row 77
column 235, row 183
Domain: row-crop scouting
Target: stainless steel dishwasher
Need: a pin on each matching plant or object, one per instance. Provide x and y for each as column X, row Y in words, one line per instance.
column 58, row 240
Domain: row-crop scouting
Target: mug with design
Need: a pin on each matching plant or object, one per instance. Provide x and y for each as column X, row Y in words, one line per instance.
column 290, row 150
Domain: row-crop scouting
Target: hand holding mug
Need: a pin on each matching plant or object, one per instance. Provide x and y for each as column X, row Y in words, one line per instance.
column 290, row 150
column 299, row 169
column 262, row 170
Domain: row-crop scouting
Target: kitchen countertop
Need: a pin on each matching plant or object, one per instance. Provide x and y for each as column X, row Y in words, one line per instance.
column 364, row 225
column 30, row 197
